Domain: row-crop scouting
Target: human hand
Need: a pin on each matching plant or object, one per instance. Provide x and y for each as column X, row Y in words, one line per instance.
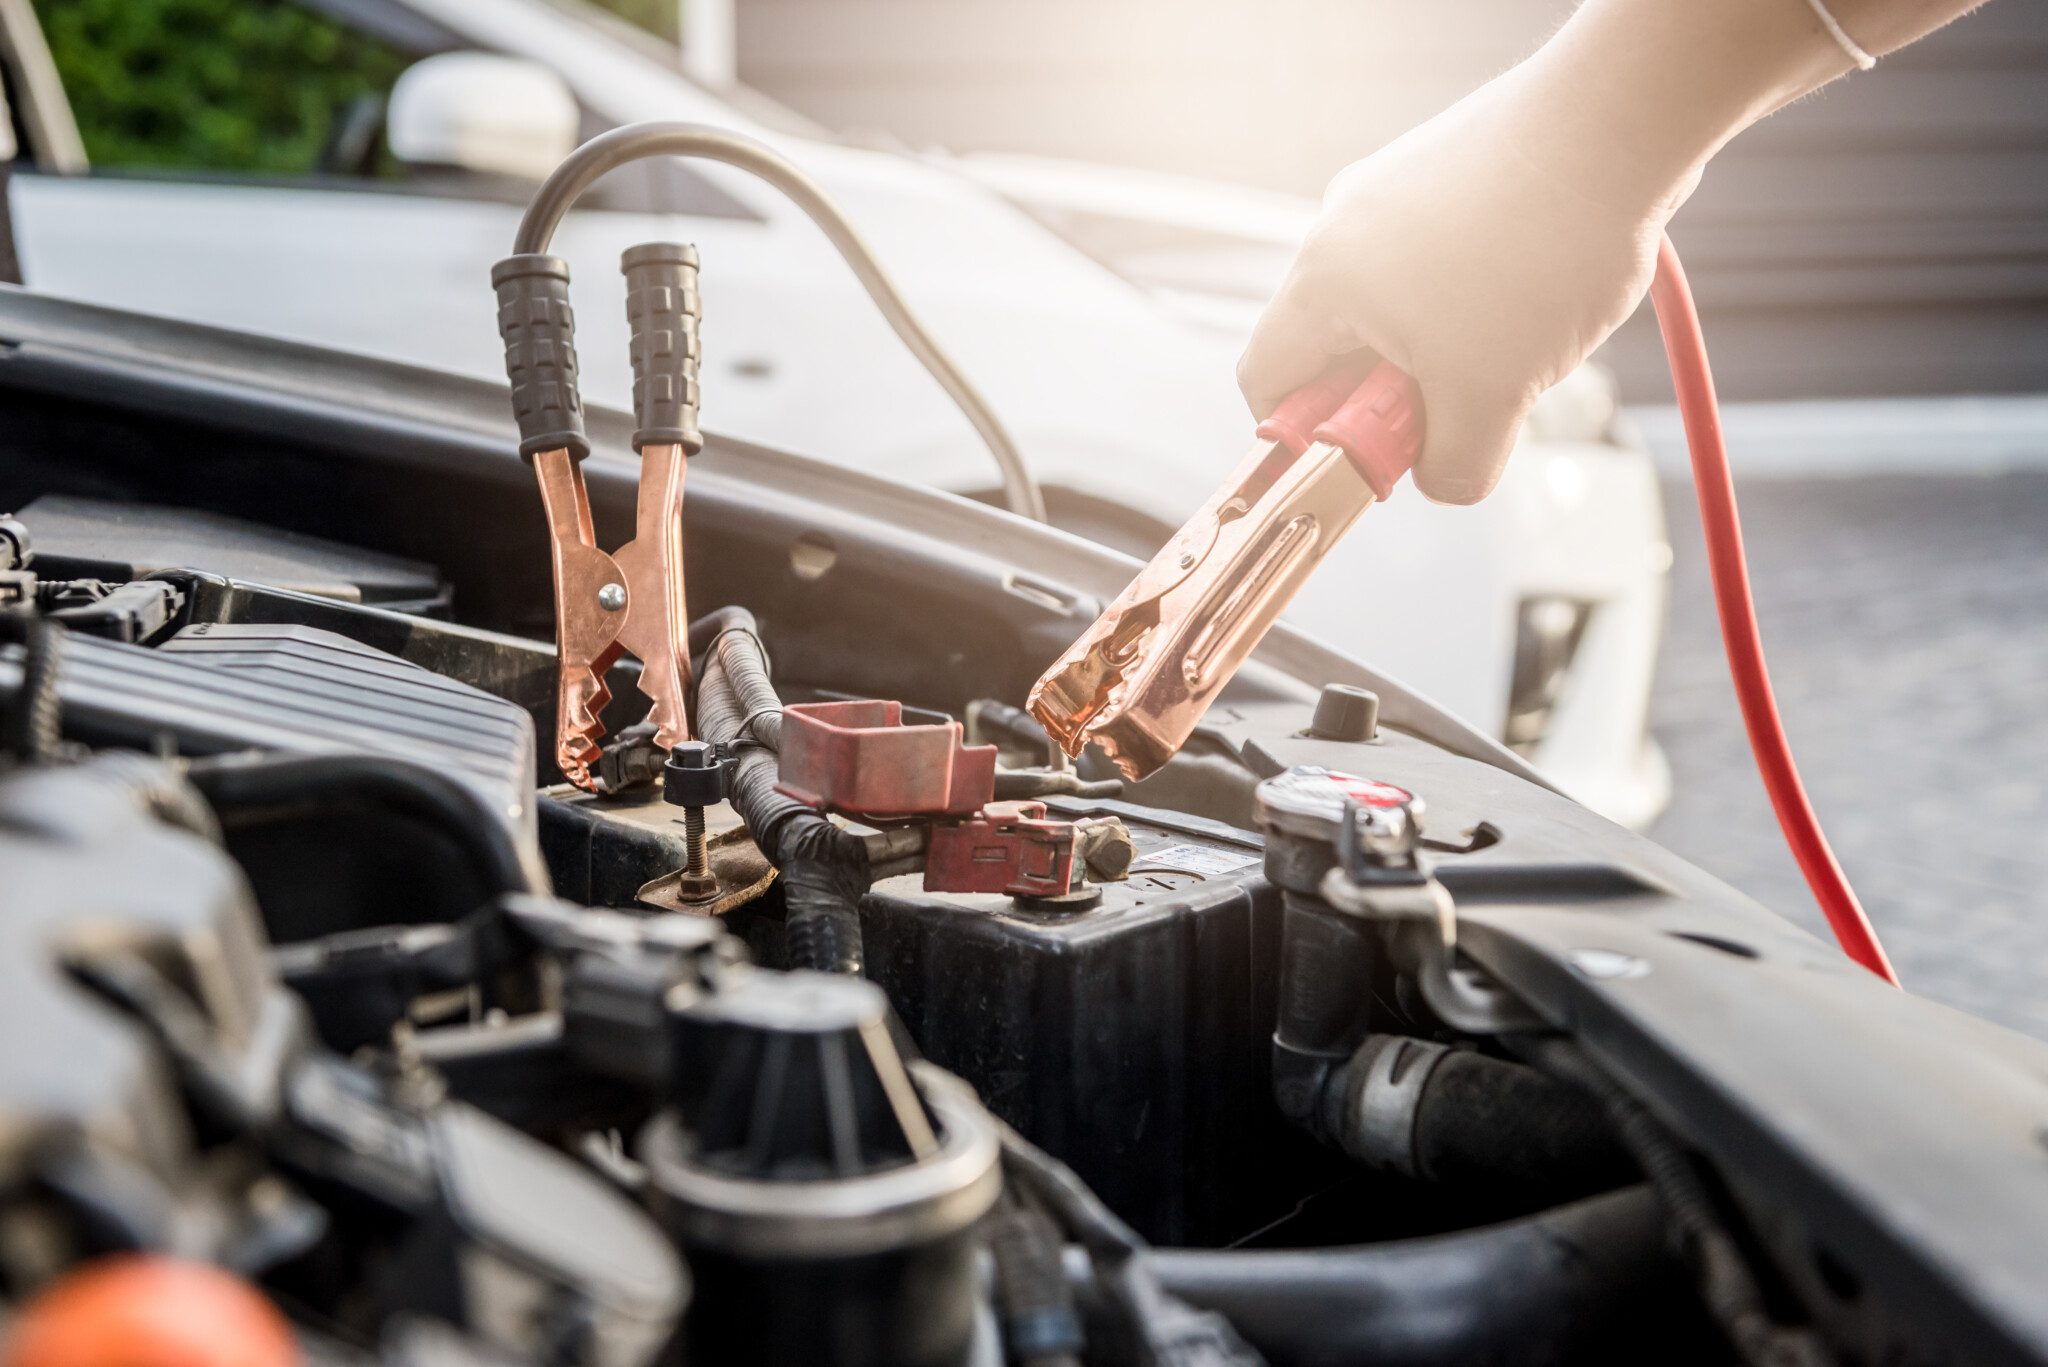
column 1486, row 254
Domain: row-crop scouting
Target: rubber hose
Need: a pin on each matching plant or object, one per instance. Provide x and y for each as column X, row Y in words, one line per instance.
column 244, row 788
column 1590, row 1281
column 1483, row 1120
column 824, row 870
column 1023, row 784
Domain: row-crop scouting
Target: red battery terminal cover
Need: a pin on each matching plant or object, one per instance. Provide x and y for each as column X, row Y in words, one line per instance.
column 859, row 758
column 1009, row 848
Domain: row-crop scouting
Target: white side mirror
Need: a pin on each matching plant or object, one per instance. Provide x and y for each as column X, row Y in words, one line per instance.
column 482, row 112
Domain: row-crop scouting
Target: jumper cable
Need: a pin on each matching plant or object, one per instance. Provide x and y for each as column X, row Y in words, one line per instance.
column 1139, row 680
column 630, row 600
column 1685, row 348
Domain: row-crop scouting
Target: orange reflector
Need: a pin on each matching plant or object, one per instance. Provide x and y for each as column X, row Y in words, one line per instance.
column 147, row 1311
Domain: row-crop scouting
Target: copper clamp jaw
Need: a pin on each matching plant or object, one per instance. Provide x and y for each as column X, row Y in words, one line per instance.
column 632, row 600
column 1138, row 682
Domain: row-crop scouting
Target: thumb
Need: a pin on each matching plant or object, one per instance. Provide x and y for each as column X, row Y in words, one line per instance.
column 1467, row 439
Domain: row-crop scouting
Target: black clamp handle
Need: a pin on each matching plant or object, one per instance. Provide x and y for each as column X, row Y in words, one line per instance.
column 539, row 332
column 663, row 310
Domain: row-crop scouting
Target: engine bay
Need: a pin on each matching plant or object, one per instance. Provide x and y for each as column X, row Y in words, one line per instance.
column 425, row 992
column 862, row 1029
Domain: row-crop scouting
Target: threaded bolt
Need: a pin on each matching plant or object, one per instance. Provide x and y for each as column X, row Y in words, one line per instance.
column 694, row 862
column 693, row 778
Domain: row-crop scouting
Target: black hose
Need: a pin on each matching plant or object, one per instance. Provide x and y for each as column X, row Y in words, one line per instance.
column 1454, row 1117
column 1486, row 1121
column 33, row 731
column 266, row 787
column 1590, row 1281
column 823, row 869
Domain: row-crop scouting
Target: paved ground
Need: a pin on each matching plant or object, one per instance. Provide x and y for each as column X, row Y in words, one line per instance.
column 1906, row 621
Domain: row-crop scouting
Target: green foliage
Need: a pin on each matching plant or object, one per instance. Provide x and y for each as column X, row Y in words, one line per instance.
column 658, row 17
column 249, row 86
column 221, row 85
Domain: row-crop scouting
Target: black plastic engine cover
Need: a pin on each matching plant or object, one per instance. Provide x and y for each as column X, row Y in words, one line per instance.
column 1130, row 1038
column 94, row 538
column 317, row 868
column 85, row 865
column 217, row 687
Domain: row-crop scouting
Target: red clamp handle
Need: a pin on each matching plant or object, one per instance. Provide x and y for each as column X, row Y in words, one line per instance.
column 1369, row 409
column 1379, row 427
column 1294, row 422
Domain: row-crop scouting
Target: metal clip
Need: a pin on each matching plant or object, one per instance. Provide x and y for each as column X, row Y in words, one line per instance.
column 1139, row 681
column 632, row 599
column 607, row 605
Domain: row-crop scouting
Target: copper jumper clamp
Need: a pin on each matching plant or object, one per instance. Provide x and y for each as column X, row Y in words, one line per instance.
column 628, row 601
column 1138, row 682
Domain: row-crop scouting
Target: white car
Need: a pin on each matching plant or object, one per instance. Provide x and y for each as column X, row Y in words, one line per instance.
column 1101, row 314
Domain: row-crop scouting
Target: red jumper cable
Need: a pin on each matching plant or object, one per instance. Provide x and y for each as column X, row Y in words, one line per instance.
column 1685, row 347
column 1139, row 680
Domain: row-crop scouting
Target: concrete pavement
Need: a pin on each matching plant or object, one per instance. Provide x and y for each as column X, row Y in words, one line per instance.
column 1906, row 621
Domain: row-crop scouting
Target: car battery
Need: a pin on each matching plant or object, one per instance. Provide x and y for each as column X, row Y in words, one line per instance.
column 1130, row 1036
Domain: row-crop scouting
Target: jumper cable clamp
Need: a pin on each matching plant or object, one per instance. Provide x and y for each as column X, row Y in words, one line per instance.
column 628, row 601
column 1139, row 681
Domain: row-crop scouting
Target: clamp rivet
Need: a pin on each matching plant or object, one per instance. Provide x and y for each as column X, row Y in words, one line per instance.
column 612, row 597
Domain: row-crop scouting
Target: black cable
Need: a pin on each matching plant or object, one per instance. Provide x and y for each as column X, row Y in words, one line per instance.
column 823, row 869
column 124, row 976
column 581, row 169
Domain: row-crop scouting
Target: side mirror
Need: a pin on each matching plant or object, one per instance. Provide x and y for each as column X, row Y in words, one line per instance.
column 481, row 112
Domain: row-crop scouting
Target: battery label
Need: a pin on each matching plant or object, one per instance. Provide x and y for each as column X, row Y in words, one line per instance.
column 1206, row 860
